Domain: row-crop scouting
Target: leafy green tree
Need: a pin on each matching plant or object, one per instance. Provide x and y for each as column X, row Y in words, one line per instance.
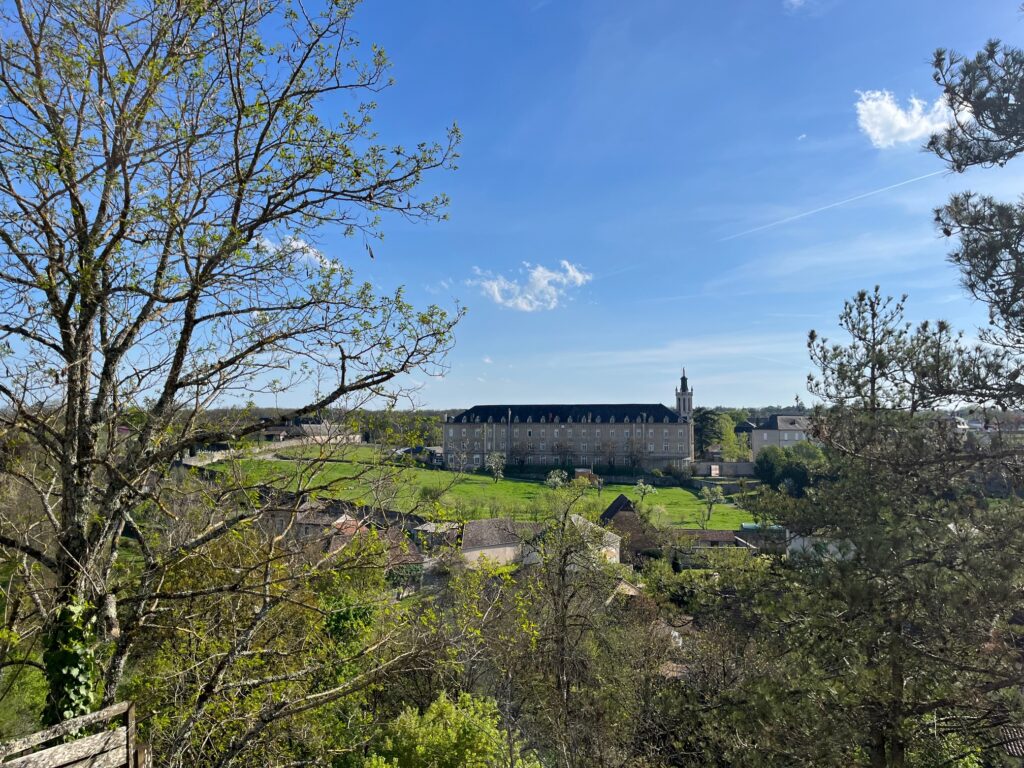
column 793, row 468
column 707, row 429
column 892, row 638
column 464, row 733
column 167, row 172
column 769, row 464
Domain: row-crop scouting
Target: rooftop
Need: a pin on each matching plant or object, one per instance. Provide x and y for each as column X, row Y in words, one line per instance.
column 497, row 532
column 652, row 413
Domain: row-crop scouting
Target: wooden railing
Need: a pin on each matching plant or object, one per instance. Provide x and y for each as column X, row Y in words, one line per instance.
column 106, row 747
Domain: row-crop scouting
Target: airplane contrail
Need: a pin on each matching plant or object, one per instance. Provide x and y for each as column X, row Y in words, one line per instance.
column 805, row 214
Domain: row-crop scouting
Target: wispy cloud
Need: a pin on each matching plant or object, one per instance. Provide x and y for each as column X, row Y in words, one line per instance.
column 487, row 360
column 541, row 288
column 887, row 124
column 793, row 5
column 862, row 260
column 829, row 206
column 786, row 350
column 801, row 137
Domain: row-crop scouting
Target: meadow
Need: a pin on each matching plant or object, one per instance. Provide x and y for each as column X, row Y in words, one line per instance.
column 361, row 476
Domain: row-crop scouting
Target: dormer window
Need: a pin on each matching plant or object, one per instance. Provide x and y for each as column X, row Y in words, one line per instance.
column 598, row 419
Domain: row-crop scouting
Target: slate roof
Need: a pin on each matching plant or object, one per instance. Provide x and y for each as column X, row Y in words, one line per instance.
column 1013, row 740
column 655, row 413
column 638, row 537
column 785, row 421
column 744, row 427
column 588, row 529
column 619, row 504
column 497, row 532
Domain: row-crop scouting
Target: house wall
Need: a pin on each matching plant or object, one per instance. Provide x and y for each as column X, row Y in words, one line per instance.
column 783, row 438
column 651, row 444
column 725, row 468
column 498, row 555
column 585, row 444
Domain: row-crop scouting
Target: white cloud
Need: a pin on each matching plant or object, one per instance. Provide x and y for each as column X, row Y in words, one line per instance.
column 295, row 246
column 487, row 360
column 542, row 288
column 793, row 5
column 801, row 137
column 887, row 124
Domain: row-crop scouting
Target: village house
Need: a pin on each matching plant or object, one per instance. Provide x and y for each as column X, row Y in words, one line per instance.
column 505, row 542
column 782, row 431
column 640, row 539
column 644, row 435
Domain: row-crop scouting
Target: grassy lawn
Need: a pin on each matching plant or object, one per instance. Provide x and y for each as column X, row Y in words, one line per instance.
column 472, row 495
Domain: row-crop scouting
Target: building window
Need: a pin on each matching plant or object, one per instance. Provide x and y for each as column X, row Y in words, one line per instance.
column 542, row 447
column 679, row 448
column 476, row 459
column 583, row 446
column 516, row 431
column 465, row 445
column 611, row 433
column 476, row 432
column 463, row 431
column 568, row 433
column 476, row 444
column 650, row 447
column 529, row 446
column 529, row 433
column 680, row 433
column 451, row 432
column 764, row 437
column 665, row 448
column 544, row 433
column 665, row 433
column 597, row 433
column 785, row 435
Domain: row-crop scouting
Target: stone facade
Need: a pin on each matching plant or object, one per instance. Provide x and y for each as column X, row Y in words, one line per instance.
column 782, row 431
column 607, row 437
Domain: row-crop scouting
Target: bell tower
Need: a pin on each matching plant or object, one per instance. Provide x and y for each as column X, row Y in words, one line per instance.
column 684, row 399
column 684, row 407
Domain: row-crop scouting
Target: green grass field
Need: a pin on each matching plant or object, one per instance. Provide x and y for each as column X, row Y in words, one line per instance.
column 471, row 495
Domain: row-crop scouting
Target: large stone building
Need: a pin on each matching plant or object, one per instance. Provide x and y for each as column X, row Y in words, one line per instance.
column 606, row 437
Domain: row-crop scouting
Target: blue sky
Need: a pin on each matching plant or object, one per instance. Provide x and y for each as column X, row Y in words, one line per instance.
column 621, row 162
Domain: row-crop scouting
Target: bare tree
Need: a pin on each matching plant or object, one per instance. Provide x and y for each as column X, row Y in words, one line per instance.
column 164, row 176
column 563, row 450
